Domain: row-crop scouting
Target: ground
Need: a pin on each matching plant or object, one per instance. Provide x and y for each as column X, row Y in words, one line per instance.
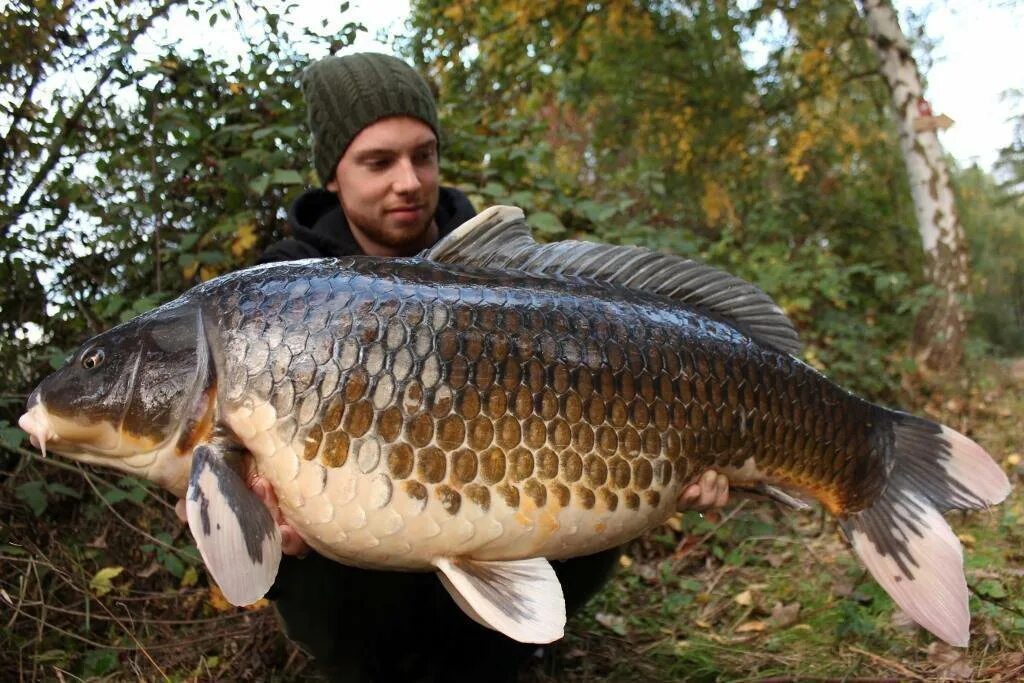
column 102, row 585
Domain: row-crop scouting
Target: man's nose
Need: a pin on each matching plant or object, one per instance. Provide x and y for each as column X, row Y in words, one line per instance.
column 406, row 179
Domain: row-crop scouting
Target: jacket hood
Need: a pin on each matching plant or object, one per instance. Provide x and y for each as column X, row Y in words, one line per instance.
column 316, row 218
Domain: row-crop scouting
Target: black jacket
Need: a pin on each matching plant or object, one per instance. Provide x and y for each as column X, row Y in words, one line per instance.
column 319, row 227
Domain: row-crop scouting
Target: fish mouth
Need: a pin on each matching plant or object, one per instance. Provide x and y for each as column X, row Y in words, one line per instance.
column 36, row 423
column 74, row 440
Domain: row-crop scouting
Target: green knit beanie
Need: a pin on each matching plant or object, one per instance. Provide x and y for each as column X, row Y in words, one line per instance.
column 346, row 94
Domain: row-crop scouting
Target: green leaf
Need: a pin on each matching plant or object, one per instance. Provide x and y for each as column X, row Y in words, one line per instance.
column 33, row 494
column 494, row 189
column 545, row 223
column 102, row 582
column 61, row 489
column 286, row 176
column 991, row 588
column 12, row 437
column 260, row 183
column 175, row 566
column 99, row 663
column 188, row 241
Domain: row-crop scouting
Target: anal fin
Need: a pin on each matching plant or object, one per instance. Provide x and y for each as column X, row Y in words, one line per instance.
column 234, row 531
column 520, row 598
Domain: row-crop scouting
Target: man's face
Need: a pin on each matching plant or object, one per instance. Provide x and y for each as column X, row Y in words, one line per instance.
column 387, row 183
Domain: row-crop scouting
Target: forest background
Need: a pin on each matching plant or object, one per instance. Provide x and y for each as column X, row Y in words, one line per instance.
column 132, row 168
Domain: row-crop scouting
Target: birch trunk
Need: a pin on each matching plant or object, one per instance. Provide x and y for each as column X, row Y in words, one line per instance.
column 940, row 328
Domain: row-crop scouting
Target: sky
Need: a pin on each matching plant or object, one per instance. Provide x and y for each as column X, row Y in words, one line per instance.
column 978, row 57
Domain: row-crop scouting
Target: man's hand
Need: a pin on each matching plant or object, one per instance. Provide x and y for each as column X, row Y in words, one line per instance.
column 711, row 491
column 291, row 542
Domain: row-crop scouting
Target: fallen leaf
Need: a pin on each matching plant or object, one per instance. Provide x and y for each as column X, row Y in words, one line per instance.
column 98, row 542
column 746, row 598
column 952, row 662
column 218, row 601
column 1013, row 459
column 102, row 582
column 784, row 615
column 262, row 603
column 751, row 627
column 153, row 568
column 612, row 622
column 967, row 539
column 189, row 578
column 901, row 621
column 647, row 572
column 625, row 561
column 675, row 522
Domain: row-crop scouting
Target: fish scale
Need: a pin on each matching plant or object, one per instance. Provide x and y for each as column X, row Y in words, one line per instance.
column 550, row 433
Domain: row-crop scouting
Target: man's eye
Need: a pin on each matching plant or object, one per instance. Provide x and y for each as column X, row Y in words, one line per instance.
column 377, row 164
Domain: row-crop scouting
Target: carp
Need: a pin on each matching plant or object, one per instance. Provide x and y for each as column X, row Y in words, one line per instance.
column 493, row 405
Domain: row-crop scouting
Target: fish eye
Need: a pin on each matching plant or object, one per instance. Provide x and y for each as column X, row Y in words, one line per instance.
column 93, row 359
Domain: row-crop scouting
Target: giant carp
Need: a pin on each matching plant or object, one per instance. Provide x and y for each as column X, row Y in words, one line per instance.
column 495, row 404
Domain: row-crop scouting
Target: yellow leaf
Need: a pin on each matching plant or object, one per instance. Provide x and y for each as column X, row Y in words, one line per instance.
column 189, row 271
column 746, row 598
column 625, row 561
column 245, row 238
column 221, row 604
column 454, row 12
column 262, row 603
column 966, row 539
column 102, row 582
column 716, row 204
column 189, row 578
column 217, row 599
column 751, row 627
column 235, row 88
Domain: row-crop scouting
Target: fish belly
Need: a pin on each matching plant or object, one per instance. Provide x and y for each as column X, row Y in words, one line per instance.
column 364, row 513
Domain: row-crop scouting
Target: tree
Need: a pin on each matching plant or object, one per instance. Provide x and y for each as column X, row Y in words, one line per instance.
column 648, row 122
column 942, row 324
column 132, row 168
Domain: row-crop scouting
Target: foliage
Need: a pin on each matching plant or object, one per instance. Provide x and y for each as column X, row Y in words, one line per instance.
column 133, row 167
column 994, row 223
column 650, row 122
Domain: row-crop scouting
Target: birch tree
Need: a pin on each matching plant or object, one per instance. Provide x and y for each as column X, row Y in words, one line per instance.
column 941, row 325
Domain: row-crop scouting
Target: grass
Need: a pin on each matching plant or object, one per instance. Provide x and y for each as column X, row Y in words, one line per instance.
column 753, row 593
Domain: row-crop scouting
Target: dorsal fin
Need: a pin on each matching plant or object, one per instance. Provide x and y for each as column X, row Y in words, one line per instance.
column 499, row 237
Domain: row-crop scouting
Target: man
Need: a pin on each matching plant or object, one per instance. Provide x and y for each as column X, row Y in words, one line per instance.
column 376, row 148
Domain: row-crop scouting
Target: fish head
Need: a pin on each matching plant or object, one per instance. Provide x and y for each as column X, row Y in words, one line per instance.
column 124, row 398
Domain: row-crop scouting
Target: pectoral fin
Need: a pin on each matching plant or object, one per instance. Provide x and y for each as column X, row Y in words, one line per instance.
column 520, row 598
column 234, row 530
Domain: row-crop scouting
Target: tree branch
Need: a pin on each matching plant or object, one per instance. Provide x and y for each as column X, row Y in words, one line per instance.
column 53, row 155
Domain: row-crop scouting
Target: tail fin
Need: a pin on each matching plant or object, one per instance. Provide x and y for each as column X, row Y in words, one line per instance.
column 902, row 537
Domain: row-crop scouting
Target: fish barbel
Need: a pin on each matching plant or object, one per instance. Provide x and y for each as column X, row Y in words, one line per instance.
column 494, row 404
